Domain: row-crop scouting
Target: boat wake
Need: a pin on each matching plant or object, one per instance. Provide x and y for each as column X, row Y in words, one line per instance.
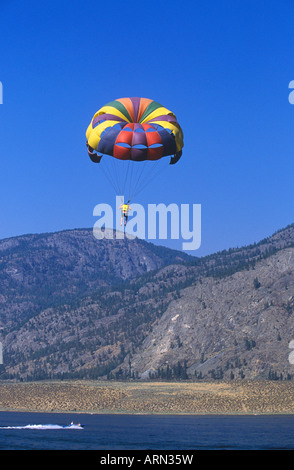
column 43, row 426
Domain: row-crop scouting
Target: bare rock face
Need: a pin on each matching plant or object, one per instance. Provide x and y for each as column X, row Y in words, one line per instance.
column 238, row 326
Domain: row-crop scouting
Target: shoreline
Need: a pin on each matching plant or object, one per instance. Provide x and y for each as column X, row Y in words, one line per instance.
column 146, row 398
column 117, row 413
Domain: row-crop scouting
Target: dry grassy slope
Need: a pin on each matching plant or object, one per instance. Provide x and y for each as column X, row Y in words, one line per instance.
column 236, row 397
column 228, row 325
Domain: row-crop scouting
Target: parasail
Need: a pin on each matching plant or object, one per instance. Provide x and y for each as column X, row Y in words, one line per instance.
column 129, row 131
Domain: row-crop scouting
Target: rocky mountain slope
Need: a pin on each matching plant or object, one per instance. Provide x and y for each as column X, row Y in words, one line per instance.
column 38, row 271
column 238, row 326
column 72, row 308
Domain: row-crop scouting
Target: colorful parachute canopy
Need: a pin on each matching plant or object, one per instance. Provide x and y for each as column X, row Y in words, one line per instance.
column 136, row 129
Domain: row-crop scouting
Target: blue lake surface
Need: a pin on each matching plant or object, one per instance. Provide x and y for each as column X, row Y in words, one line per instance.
column 50, row 431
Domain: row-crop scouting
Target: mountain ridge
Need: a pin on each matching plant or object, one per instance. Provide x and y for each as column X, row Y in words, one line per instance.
column 100, row 329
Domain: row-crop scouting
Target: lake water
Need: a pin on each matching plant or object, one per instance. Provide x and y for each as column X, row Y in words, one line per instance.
column 41, row 431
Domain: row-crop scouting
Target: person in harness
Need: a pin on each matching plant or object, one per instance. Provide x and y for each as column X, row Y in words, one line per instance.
column 125, row 208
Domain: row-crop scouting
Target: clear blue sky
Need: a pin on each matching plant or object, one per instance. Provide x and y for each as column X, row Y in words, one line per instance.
column 223, row 67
